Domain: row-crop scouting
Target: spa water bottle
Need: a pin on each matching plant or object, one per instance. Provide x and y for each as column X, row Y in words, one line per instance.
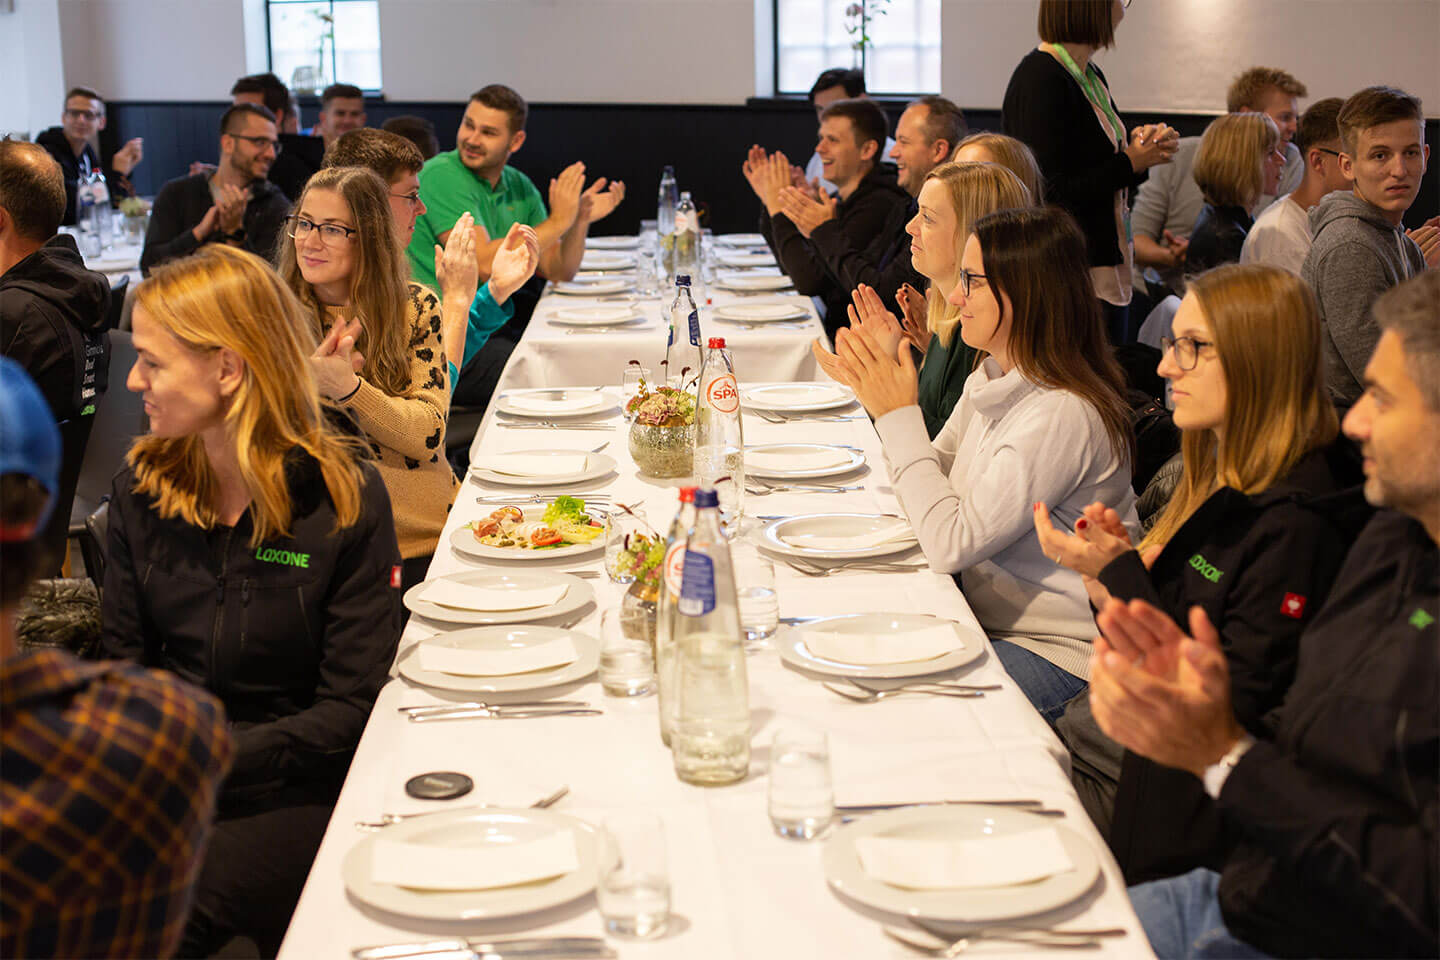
column 685, row 250
column 87, row 217
column 711, row 740
column 682, row 346
column 670, row 576
column 719, row 438
column 665, row 208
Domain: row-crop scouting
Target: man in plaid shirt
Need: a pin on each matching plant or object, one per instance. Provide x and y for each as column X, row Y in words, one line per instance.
column 108, row 772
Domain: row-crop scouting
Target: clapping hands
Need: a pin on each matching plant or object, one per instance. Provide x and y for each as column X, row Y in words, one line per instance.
column 514, row 262
column 336, row 363
column 596, row 202
column 805, row 210
column 456, row 270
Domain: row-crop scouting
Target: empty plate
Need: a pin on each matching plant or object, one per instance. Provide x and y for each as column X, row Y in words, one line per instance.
column 554, row 402
column 597, row 465
column 791, row 644
column 740, row 240
column 503, row 638
column 799, row 397
column 592, row 288
column 611, row 243
column 602, row 315
column 766, row 311
column 746, row 259
column 798, row 461
column 862, row 531
column 606, row 260
column 752, row 281
column 577, row 594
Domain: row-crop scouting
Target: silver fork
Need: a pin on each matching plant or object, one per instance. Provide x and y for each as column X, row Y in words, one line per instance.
column 872, row 696
column 386, row 819
column 765, row 489
column 771, row 417
column 917, row 684
column 952, row 945
column 811, row 569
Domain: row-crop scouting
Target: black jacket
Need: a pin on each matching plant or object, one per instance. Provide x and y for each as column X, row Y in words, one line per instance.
column 1218, row 236
column 295, row 637
column 300, row 156
column 182, row 204
column 1260, row 566
column 53, row 314
column 852, row 264
column 860, row 223
column 1339, row 847
column 53, row 140
column 1046, row 109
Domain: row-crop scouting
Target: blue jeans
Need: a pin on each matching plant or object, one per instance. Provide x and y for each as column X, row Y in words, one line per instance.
column 1046, row 686
column 1181, row 917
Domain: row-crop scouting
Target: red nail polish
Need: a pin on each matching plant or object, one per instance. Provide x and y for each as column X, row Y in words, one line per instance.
column 1081, row 524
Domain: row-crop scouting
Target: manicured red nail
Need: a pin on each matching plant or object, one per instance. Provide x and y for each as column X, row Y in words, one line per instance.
column 1081, row 524
column 1036, row 506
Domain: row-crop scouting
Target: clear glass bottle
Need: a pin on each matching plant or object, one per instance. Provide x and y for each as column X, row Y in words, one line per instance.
column 682, row 345
column 685, row 247
column 719, row 436
column 668, row 199
column 711, row 740
column 670, row 578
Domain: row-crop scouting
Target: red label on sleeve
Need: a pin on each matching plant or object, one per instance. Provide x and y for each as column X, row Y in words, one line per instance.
column 395, row 576
column 1293, row 606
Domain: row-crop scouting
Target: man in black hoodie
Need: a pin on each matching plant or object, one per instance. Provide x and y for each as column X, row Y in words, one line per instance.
column 1333, row 819
column 69, row 144
column 52, row 313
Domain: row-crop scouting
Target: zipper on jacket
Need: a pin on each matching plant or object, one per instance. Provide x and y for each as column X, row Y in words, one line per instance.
column 244, row 610
column 210, row 670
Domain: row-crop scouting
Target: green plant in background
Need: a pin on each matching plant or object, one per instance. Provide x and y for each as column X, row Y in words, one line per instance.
column 327, row 32
column 858, row 19
column 134, row 207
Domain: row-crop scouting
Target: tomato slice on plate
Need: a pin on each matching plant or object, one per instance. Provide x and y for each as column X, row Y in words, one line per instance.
column 544, row 537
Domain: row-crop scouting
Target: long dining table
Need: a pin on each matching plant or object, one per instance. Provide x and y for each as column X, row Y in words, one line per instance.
column 738, row 889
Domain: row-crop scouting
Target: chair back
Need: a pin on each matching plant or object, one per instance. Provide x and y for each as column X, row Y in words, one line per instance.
column 119, row 419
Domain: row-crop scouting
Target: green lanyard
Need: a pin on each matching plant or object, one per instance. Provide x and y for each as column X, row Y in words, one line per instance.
column 1095, row 91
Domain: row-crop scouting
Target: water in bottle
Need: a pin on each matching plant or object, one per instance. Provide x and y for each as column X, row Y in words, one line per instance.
column 711, row 740
column 682, row 344
column 719, row 437
column 669, row 198
column 87, row 217
column 670, row 577
column 685, row 240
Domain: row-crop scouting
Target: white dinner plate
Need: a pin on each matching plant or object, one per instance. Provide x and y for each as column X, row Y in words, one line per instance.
column 600, row 315
column 463, row 540
column 597, row 465
column 503, row 638
column 743, row 260
column 611, row 243
column 772, row 535
column 577, row 594
column 456, row 830
column 844, row 872
column 752, row 281
column 764, row 311
column 854, row 459
column 592, row 288
column 799, row 397
column 740, row 240
column 606, row 260
column 593, row 401
column 791, row 644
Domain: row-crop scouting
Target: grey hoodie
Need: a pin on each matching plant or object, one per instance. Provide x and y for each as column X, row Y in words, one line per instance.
column 1357, row 255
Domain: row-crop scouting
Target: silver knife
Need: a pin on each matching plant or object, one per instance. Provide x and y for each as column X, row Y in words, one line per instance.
column 548, row 947
column 497, row 713
column 481, row 705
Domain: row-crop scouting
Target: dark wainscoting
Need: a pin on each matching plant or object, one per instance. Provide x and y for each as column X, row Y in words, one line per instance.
column 705, row 144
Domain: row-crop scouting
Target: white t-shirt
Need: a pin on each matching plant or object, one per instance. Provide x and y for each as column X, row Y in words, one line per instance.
column 1280, row 236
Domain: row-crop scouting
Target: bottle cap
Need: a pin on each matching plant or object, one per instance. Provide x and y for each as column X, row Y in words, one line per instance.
column 706, row 498
column 439, row 786
column 687, row 494
column 717, row 343
column 682, row 280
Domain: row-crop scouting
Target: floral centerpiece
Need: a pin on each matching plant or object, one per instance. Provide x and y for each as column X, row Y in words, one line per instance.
column 137, row 218
column 662, row 431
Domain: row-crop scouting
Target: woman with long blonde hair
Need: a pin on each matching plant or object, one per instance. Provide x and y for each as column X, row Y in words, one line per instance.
column 251, row 553
column 344, row 263
column 1254, row 534
column 1240, row 159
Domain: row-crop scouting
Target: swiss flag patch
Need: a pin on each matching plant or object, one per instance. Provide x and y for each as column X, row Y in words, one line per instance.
column 395, row 577
column 1293, row 606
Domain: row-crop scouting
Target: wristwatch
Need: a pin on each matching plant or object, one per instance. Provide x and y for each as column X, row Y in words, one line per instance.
column 1218, row 772
column 237, row 237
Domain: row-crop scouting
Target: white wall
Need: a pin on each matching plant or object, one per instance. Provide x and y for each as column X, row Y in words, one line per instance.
column 32, row 85
column 1171, row 54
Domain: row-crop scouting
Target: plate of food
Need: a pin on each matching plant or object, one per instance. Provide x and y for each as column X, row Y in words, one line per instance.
column 500, row 659
column 562, row 528
column 495, row 596
column 542, row 468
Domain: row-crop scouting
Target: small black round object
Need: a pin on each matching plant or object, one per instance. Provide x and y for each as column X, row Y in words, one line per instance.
column 443, row 785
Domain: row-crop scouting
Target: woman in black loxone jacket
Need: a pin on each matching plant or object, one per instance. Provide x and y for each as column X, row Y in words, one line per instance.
column 252, row 554
column 1255, row 534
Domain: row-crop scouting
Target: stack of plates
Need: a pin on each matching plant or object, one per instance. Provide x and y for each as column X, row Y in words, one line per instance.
column 764, row 311
column 542, row 468
column 544, row 402
column 471, row 661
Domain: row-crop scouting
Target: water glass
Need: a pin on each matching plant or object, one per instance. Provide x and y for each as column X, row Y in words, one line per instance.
column 627, row 664
column 622, row 524
column 755, row 588
column 647, row 284
column 723, row 468
column 630, row 386
column 634, row 887
column 802, row 798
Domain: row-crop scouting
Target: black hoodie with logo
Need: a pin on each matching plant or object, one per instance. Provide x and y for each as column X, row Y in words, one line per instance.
column 53, row 314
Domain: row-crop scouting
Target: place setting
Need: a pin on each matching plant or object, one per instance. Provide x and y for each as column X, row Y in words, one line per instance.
column 740, row 240
column 542, row 467
column 599, row 318
column 788, row 400
column 612, row 243
column 801, row 461
column 593, row 260
column 752, row 281
column 494, row 596
column 603, row 286
column 758, row 314
column 743, row 259
column 540, row 404
column 506, row 659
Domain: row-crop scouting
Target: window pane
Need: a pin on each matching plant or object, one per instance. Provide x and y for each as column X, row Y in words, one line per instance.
column 904, row 55
column 351, row 43
column 295, row 32
column 357, row 43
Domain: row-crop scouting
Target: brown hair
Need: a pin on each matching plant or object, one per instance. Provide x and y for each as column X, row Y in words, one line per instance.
column 32, row 189
column 1090, row 22
column 1245, row 90
column 1230, row 163
column 1014, row 156
column 89, row 94
column 388, row 154
column 229, row 120
column 1319, row 124
column 1266, row 329
column 417, row 130
column 943, row 121
column 1035, row 257
column 867, row 121
column 379, row 282
column 497, row 96
column 1372, row 107
column 276, row 408
column 340, row 91
column 23, row 500
column 271, row 89
column 1409, row 309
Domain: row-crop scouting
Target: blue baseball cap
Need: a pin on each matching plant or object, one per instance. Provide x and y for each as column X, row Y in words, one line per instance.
column 29, row 440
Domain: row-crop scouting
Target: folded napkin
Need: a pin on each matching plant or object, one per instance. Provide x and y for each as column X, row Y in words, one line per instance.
column 1000, row 861
column 534, row 465
column 899, row 530
column 809, row 460
column 496, row 662
column 866, row 650
column 542, row 404
column 460, row 596
column 597, row 314
column 802, row 393
column 425, row 866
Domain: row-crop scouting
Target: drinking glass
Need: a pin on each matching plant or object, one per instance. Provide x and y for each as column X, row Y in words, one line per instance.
column 723, row 467
column 755, row 588
column 630, row 386
column 802, row 799
column 647, row 284
column 621, row 526
column 627, row 664
column 634, row 888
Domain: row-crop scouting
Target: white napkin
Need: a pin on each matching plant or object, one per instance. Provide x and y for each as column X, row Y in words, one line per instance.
column 809, row 460
column 754, row 281
column 899, row 530
column 747, row 259
column 425, row 866
column 1001, row 861
column 534, row 465
column 597, row 314
column 759, row 312
column 542, row 404
column 801, row 393
column 448, row 593
column 503, row 662
column 866, row 650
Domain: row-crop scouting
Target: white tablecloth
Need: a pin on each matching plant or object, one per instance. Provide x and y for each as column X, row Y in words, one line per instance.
column 738, row 890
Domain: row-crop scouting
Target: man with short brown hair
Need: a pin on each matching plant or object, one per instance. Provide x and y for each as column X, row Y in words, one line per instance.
column 82, row 118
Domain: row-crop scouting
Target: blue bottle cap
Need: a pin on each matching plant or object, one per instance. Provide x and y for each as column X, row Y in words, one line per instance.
column 706, row 498
column 683, row 280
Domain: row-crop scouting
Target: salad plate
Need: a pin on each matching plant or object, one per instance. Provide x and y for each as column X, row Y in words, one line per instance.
column 611, row 243
column 514, row 468
column 797, row 397
column 554, row 402
column 560, row 529
column 576, row 594
column 800, row 461
column 519, row 637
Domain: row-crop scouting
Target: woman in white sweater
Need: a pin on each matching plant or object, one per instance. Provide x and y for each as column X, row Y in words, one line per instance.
column 1042, row 420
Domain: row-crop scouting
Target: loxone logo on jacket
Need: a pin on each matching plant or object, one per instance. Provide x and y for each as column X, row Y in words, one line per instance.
column 1206, row 569
column 288, row 558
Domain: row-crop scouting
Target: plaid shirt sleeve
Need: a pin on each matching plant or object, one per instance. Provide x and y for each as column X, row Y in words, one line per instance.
column 108, row 780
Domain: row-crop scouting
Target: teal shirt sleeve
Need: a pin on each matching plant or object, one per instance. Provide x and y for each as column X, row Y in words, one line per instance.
column 486, row 316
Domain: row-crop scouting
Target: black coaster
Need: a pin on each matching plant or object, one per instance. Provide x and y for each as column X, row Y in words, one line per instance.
column 439, row 786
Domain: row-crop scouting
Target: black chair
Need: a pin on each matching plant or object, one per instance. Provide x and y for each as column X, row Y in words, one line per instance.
column 117, row 304
column 460, row 430
column 90, row 536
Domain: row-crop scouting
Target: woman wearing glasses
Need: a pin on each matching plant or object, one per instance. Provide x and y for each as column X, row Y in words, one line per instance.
column 1042, row 419
column 1254, row 535
column 380, row 356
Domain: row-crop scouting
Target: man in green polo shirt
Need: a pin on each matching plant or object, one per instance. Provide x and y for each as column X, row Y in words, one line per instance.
column 475, row 177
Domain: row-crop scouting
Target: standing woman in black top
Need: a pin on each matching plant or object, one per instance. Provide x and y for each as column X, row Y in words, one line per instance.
column 1059, row 105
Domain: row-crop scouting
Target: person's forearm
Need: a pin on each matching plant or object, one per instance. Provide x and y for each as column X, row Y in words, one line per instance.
column 454, row 321
column 1151, row 254
column 561, row 261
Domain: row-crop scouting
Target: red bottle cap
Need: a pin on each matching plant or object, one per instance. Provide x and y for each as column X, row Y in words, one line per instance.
column 717, row 343
column 687, row 494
